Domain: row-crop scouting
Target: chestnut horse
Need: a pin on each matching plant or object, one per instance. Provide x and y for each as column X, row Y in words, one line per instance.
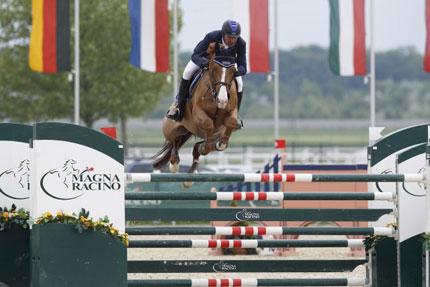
column 211, row 115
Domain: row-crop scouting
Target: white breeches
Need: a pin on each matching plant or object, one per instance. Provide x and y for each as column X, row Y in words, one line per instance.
column 189, row 71
column 239, row 84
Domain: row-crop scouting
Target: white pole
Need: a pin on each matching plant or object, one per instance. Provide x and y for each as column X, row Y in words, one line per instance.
column 276, row 72
column 397, row 236
column 77, row 95
column 372, row 65
column 427, row 269
column 175, row 48
column 427, row 186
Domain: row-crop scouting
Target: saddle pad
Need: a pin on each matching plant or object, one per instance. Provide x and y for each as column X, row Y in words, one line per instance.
column 194, row 81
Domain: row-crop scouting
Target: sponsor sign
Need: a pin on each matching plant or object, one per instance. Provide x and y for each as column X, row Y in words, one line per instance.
column 15, row 165
column 69, row 176
column 14, row 174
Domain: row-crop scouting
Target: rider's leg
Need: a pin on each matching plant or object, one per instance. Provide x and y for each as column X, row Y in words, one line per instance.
column 239, row 100
column 177, row 110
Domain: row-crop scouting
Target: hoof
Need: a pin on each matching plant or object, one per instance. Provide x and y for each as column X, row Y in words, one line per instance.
column 187, row 184
column 220, row 146
column 174, row 168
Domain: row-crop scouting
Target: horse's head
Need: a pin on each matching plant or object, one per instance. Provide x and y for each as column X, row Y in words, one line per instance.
column 221, row 75
column 68, row 164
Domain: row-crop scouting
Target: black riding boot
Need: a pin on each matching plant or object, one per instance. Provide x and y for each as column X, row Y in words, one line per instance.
column 239, row 123
column 177, row 111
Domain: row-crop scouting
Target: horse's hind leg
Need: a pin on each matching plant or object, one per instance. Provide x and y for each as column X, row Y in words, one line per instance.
column 174, row 158
column 193, row 168
column 174, row 154
column 196, row 156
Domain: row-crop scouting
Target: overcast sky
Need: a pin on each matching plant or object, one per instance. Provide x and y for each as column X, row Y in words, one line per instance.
column 398, row 23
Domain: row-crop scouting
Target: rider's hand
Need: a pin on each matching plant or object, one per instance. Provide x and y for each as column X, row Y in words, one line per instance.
column 204, row 63
column 240, row 71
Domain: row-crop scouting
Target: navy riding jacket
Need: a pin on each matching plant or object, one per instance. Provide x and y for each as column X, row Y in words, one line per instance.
column 238, row 51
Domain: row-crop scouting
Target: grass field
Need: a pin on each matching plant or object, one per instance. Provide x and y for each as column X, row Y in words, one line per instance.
column 264, row 137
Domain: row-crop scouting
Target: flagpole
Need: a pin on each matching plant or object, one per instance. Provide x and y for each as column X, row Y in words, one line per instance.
column 175, row 48
column 276, row 72
column 372, row 65
column 77, row 71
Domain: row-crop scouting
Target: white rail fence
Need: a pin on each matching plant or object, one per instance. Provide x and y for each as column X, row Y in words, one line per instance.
column 253, row 158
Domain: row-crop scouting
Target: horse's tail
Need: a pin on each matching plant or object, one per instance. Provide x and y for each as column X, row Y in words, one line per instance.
column 183, row 139
column 161, row 158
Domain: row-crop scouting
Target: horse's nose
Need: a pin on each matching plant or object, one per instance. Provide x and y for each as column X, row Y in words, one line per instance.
column 222, row 98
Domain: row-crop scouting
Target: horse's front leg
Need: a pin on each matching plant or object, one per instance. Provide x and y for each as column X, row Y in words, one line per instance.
column 206, row 129
column 230, row 125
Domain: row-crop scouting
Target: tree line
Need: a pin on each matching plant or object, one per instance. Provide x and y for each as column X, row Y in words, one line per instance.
column 308, row 89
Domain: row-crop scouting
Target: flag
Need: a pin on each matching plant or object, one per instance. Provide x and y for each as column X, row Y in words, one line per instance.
column 149, row 21
column 427, row 51
column 253, row 17
column 50, row 36
column 347, row 37
column 280, row 144
column 109, row 131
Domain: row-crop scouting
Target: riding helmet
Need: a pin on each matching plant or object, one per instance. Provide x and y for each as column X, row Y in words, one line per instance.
column 231, row 28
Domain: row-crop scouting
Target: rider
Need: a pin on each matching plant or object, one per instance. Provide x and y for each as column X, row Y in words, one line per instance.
column 228, row 43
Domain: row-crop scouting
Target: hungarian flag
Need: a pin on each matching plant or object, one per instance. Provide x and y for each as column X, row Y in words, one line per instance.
column 347, row 37
column 50, row 36
column 427, row 51
column 253, row 17
column 149, row 21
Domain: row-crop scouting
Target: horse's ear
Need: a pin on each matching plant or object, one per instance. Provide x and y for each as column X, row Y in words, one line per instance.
column 211, row 50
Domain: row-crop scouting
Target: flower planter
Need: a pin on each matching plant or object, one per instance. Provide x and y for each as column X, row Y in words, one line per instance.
column 14, row 257
column 61, row 256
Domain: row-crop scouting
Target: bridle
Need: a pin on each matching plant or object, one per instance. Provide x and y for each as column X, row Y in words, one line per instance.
column 212, row 85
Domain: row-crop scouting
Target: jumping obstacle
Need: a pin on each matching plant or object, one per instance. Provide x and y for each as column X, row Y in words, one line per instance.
column 243, row 243
column 249, row 282
column 260, row 230
column 250, row 196
column 254, row 215
column 267, row 177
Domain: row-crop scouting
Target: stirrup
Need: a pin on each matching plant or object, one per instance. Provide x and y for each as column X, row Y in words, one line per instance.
column 174, row 116
column 173, row 111
column 239, row 124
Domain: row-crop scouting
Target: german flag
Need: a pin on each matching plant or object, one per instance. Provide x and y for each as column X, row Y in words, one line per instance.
column 50, row 36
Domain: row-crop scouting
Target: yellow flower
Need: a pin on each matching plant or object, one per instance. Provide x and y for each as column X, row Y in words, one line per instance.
column 6, row 214
column 47, row 215
column 60, row 214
